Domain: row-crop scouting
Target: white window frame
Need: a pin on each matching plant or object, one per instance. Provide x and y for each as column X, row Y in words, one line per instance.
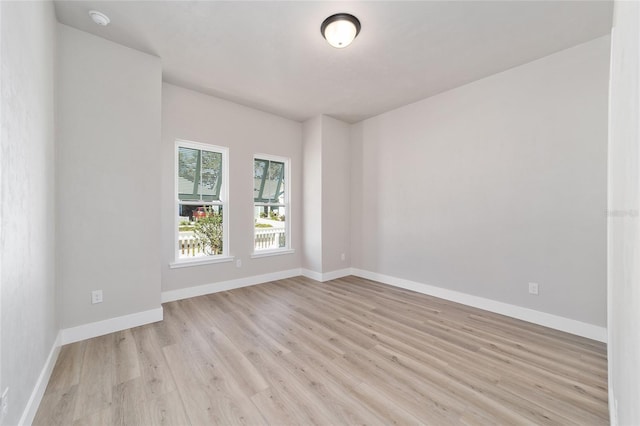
column 287, row 249
column 223, row 202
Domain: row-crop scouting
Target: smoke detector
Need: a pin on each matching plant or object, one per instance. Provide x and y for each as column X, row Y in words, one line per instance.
column 99, row 18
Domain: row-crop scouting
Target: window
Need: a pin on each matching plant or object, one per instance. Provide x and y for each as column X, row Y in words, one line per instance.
column 201, row 199
column 271, row 204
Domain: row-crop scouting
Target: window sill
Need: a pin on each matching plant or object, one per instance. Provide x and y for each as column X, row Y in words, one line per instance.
column 198, row 262
column 267, row 253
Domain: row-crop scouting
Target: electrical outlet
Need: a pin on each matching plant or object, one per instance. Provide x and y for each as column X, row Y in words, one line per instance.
column 96, row 296
column 343, row 257
column 238, row 263
column 533, row 288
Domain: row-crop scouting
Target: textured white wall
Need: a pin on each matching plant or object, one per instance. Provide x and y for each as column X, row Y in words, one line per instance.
column 312, row 194
column 29, row 320
column 356, row 183
column 200, row 118
column 624, row 205
column 326, row 197
column 108, row 189
column 492, row 185
column 336, row 191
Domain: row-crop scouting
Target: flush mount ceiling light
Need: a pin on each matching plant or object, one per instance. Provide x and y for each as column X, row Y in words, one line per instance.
column 99, row 18
column 340, row 29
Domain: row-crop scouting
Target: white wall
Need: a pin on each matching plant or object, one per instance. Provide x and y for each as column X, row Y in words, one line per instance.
column 109, row 173
column 492, row 185
column 200, row 118
column 326, row 196
column 624, row 205
column 29, row 320
column 336, row 191
column 312, row 194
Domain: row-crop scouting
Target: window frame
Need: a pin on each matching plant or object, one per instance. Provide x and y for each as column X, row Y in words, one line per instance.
column 286, row 204
column 223, row 202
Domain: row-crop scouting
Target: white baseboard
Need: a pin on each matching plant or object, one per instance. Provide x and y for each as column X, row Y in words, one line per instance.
column 31, row 409
column 327, row 276
column 185, row 293
column 613, row 406
column 111, row 325
column 311, row 274
column 568, row 325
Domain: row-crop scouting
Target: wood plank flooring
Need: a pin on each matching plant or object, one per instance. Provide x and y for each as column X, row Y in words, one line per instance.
column 349, row 351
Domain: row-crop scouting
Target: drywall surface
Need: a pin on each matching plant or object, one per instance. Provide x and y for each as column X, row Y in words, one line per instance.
column 336, row 190
column 192, row 116
column 109, row 171
column 356, row 159
column 490, row 186
column 624, row 205
column 29, row 320
column 326, row 194
column 312, row 194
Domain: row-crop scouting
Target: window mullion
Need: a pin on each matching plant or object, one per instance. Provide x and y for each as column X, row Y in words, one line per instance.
column 264, row 180
column 219, row 179
column 197, row 175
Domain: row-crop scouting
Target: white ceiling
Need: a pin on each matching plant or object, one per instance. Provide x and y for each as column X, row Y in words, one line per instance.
column 270, row 54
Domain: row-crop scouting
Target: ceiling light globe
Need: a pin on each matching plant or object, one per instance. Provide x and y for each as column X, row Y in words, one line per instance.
column 340, row 30
column 340, row 33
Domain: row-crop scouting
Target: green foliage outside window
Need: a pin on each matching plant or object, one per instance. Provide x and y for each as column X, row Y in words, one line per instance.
column 208, row 229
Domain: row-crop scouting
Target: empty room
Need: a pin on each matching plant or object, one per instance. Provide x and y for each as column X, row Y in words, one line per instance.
column 318, row 212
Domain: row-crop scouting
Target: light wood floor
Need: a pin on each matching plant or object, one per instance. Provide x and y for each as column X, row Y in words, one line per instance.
column 349, row 351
